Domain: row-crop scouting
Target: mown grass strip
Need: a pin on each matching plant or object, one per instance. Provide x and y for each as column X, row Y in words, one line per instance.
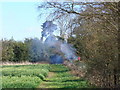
column 63, row 79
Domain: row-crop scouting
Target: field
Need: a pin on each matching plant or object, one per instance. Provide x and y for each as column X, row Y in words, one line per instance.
column 23, row 76
column 40, row 76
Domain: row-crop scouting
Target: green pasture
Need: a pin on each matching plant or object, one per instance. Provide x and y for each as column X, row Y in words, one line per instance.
column 40, row 76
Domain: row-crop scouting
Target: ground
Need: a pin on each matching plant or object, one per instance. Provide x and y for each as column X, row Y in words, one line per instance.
column 40, row 76
column 60, row 77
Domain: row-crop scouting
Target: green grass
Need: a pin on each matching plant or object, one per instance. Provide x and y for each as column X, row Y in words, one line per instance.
column 40, row 76
column 20, row 82
column 23, row 76
column 63, row 79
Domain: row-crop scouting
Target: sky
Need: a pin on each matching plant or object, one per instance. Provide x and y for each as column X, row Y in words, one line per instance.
column 20, row 20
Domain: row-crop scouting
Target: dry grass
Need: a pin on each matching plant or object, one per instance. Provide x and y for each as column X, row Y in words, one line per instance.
column 21, row 63
column 74, row 69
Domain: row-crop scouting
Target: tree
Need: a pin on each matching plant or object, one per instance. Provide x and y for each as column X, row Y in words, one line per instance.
column 96, row 25
column 7, row 50
column 14, row 51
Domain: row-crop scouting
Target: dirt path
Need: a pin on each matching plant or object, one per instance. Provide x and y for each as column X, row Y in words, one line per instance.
column 50, row 75
column 60, row 77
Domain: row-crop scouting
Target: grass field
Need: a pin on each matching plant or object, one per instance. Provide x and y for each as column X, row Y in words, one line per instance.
column 23, row 76
column 40, row 76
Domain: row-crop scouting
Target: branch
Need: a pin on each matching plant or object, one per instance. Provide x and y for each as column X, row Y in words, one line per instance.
column 74, row 12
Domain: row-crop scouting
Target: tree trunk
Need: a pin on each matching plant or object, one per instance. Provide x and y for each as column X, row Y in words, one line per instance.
column 116, row 78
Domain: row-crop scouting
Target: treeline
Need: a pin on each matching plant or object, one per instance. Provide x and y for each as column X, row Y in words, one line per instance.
column 21, row 51
column 14, row 51
column 92, row 27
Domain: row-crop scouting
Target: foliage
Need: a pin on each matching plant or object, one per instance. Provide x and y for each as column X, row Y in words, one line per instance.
column 7, row 50
column 14, row 51
column 93, row 31
column 94, row 36
column 20, row 82
column 31, row 76
column 23, row 76
column 19, row 51
column 62, row 78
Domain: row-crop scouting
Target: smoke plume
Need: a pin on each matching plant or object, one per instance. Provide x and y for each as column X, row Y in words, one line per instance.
column 50, row 48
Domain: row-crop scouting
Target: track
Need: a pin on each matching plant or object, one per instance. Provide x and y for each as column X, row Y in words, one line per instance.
column 60, row 77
